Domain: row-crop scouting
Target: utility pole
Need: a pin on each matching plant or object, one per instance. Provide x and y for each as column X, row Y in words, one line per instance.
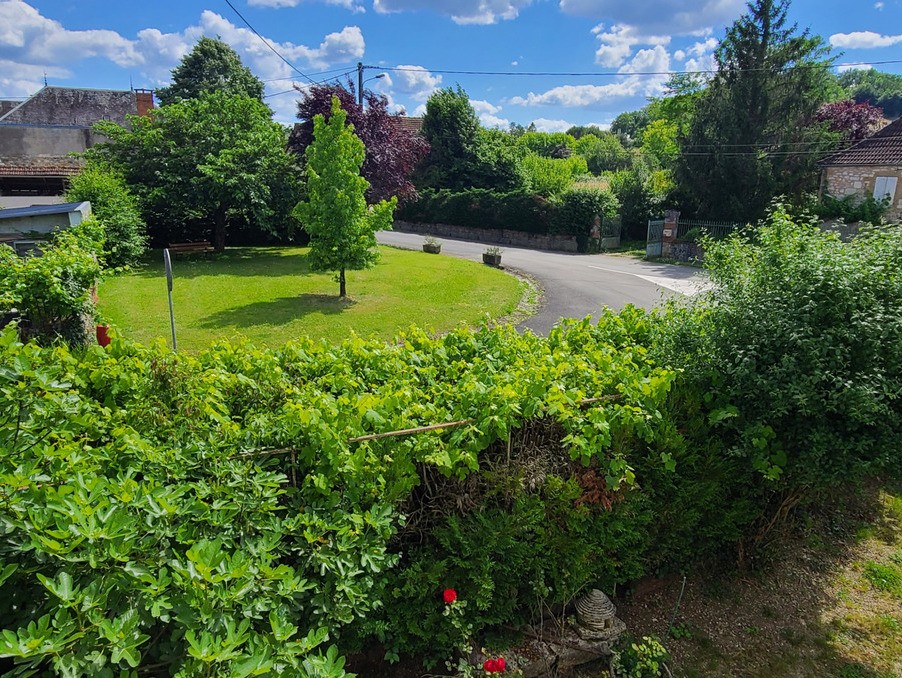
column 360, row 84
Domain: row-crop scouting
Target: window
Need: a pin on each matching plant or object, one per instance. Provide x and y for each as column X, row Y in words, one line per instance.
column 885, row 188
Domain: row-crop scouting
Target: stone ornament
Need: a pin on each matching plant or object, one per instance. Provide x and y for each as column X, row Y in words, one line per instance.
column 596, row 620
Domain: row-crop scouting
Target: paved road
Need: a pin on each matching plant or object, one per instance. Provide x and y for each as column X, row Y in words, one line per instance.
column 575, row 285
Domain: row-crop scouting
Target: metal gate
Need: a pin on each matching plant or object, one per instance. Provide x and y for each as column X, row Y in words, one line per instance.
column 655, row 238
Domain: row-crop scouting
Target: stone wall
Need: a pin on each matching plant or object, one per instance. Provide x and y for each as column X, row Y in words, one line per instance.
column 19, row 143
column 557, row 243
column 842, row 181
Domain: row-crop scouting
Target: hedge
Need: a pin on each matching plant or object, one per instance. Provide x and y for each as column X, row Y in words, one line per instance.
column 567, row 214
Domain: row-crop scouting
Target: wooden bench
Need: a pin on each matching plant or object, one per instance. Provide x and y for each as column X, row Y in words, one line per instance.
column 189, row 247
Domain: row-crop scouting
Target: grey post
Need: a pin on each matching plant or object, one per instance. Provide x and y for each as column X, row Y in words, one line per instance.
column 167, row 264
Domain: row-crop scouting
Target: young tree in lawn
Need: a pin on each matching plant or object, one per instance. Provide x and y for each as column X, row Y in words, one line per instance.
column 341, row 225
column 211, row 66
column 392, row 150
column 218, row 160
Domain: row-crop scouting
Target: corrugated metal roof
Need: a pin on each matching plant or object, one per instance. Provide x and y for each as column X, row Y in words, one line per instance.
column 40, row 210
column 882, row 148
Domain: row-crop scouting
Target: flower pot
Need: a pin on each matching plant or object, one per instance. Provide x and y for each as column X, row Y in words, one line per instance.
column 432, row 249
column 492, row 259
column 103, row 337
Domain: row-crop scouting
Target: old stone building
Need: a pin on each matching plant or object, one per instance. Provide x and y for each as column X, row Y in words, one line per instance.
column 38, row 136
column 872, row 167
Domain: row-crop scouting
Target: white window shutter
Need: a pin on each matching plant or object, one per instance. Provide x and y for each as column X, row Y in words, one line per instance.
column 885, row 187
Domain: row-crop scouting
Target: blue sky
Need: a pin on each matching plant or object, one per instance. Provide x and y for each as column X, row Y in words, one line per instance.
column 107, row 44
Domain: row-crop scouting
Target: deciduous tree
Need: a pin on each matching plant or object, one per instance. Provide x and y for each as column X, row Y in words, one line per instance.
column 392, row 150
column 342, row 227
column 218, row 160
column 211, row 66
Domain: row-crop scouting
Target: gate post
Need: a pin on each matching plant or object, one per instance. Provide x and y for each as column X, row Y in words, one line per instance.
column 671, row 224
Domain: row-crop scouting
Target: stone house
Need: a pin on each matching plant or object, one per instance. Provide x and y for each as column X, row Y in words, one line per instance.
column 872, row 167
column 38, row 135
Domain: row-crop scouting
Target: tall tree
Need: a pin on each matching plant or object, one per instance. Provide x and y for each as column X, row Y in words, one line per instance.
column 392, row 149
column 211, row 66
column 342, row 227
column 751, row 137
column 461, row 154
column 218, row 160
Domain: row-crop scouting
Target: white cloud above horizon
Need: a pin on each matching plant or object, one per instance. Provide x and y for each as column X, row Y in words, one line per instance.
column 863, row 40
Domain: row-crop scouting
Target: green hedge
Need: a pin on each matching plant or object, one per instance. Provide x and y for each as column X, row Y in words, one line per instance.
column 570, row 213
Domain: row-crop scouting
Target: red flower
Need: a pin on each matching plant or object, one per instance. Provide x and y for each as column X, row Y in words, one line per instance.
column 490, row 666
column 500, row 664
column 450, row 595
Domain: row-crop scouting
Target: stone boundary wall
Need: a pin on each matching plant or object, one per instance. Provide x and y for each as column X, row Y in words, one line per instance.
column 556, row 243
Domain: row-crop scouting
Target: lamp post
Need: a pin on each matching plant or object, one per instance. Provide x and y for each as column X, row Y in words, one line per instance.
column 360, row 81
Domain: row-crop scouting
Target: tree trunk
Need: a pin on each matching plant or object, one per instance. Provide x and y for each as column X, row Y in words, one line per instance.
column 341, row 284
column 219, row 230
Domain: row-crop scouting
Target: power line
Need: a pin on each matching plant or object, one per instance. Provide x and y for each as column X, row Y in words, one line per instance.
column 266, row 42
column 312, row 75
column 623, row 74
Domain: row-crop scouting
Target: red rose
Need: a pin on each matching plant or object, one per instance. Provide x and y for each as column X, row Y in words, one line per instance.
column 490, row 666
column 500, row 664
column 450, row 595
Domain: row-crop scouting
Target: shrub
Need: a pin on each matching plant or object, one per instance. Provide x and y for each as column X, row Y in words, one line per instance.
column 114, row 206
column 852, row 209
column 642, row 194
column 208, row 515
column 52, row 292
column 576, row 211
column 798, row 347
column 550, row 176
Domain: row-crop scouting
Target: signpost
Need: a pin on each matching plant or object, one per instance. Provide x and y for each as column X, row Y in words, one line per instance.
column 167, row 264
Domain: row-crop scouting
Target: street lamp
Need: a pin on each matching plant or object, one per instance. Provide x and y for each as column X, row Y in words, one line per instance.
column 360, row 81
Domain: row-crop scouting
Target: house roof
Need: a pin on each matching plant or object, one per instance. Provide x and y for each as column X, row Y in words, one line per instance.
column 41, row 210
column 62, row 167
column 72, row 106
column 882, row 148
column 412, row 125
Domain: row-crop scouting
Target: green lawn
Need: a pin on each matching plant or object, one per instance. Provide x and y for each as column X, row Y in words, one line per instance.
column 269, row 296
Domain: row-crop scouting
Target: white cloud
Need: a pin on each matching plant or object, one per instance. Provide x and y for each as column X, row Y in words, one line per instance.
column 879, row 6
column 864, row 40
column 853, row 67
column 347, row 4
column 460, row 11
column 618, row 42
column 673, row 17
column 28, row 37
column 515, row 63
column 414, row 81
column 546, row 125
column 31, row 43
column 481, row 106
column 487, row 113
column 593, row 96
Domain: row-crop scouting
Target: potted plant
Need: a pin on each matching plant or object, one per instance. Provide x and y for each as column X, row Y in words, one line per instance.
column 492, row 256
column 432, row 245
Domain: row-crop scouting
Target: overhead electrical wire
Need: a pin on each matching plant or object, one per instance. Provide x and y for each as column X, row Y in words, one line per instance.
column 266, row 42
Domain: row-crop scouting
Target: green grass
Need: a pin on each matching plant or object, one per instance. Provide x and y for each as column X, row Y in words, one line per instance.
column 269, row 296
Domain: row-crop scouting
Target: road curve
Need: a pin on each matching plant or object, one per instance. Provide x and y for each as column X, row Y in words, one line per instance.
column 575, row 285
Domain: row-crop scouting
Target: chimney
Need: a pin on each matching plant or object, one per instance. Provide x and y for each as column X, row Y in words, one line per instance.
column 144, row 100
